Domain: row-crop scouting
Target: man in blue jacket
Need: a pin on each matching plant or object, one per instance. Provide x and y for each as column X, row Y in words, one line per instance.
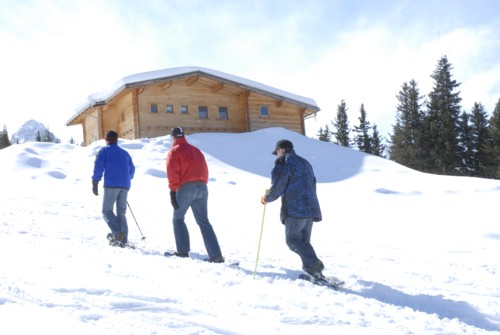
column 293, row 180
column 118, row 169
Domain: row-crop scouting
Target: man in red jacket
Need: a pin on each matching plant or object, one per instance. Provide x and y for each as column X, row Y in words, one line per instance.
column 187, row 174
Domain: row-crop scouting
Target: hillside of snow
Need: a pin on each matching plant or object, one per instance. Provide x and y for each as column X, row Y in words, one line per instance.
column 419, row 252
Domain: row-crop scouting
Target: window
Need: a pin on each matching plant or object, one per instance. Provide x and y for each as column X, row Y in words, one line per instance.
column 264, row 111
column 169, row 109
column 184, row 109
column 223, row 115
column 154, row 108
column 203, row 112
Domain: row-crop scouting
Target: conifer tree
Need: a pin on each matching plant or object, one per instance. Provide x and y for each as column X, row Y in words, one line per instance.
column 48, row 136
column 363, row 139
column 406, row 141
column 324, row 135
column 466, row 167
column 480, row 137
column 341, row 126
column 4, row 138
column 491, row 168
column 441, row 128
column 377, row 146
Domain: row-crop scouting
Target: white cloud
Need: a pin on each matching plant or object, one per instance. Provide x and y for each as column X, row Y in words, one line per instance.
column 58, row 52
column 369, row 66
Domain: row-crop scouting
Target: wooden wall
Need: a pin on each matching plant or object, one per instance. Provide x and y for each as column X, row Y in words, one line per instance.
column 281, row 114
column 90, row 126
column 203, row 92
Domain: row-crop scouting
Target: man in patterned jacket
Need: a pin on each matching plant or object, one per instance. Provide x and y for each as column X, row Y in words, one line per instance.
column 293, row 180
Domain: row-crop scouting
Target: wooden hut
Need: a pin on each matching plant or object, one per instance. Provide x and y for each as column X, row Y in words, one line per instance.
column 149, row 104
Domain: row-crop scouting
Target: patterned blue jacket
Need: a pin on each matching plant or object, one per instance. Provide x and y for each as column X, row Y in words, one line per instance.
column 117, row 166
column 293, row 180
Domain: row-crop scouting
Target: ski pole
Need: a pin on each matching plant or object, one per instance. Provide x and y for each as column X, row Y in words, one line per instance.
column 130, row 208
column 260, row 239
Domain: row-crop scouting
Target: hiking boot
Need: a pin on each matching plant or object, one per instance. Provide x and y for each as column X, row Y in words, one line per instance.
column 120, row 237
column 117, row 240
column 315, row 270
column 215, row 259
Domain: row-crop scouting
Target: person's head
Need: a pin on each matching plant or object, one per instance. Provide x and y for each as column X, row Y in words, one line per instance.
column 111, row 137
column 282, row 147
column 177, row 132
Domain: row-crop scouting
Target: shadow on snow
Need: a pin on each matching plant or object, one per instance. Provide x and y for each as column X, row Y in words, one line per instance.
column 443, row 308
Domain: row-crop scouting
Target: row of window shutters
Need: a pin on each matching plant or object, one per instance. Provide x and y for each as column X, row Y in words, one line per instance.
column 203, row 110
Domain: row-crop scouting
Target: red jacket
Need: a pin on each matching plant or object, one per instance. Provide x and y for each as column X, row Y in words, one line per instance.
column 185, row 163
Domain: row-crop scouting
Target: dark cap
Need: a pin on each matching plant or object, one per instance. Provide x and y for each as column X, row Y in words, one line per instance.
column 111, row 136
column 177, row 132
column 283, row 144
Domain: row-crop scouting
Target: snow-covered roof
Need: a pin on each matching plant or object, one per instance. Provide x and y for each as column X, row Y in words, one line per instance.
column 166, row 74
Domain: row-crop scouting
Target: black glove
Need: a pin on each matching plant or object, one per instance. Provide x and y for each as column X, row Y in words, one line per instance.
column 173, row 199
column 95, row 183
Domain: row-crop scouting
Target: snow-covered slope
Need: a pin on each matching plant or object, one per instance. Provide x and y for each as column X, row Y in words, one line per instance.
column 419, row 252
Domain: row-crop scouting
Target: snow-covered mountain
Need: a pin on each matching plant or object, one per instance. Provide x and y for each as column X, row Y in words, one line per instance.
column 419, row 252
column 29, row 132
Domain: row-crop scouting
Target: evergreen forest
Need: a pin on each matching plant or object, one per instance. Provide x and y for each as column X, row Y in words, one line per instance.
column 432, row 133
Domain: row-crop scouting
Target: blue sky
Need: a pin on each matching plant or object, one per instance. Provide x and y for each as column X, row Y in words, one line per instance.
column 56, row 53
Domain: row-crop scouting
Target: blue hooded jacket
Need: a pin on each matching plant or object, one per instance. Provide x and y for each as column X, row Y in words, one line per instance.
column 293, row 179
column 117, row 166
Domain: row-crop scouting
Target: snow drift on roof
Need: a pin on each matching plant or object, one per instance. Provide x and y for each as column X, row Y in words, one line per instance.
column 106, row 95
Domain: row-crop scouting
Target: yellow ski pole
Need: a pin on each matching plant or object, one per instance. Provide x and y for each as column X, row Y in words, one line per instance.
column 260, row 239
